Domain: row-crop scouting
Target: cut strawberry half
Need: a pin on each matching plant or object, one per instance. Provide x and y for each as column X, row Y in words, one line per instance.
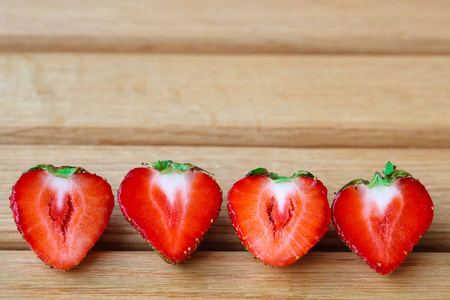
column 381, row 221
column 172, row 206
column 279, row 219
column 61, row 212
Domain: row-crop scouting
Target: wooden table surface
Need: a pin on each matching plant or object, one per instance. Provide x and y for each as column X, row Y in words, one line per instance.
column 334, row 87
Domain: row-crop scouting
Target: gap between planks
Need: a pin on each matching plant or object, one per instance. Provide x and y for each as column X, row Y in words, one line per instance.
column 334, row 167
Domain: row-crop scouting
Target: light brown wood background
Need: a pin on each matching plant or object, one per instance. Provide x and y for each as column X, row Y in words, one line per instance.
column 336, row 88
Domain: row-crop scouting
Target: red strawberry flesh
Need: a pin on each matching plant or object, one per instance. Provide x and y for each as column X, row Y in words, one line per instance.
column 278, row 219
column 172, row 209
column 382, row 221
column 61, row 217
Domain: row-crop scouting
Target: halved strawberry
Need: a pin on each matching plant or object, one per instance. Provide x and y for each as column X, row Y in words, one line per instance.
column 279, row 219
column 61, row 212
column 381, row 221
column 172, row 206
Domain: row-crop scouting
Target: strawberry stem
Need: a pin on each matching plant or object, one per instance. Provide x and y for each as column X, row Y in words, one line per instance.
column 390, row 172
column 167, row 166
column 390, row 175
column 389, row 169
column 275, row 177
column 63, row 171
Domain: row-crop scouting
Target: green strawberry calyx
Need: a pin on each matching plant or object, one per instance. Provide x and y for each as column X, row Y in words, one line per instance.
column 168, row 166
column 63, row 171
column 391, row 174
column 275, row 177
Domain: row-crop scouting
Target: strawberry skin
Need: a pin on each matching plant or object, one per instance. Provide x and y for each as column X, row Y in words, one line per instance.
column 172, row 206
column 279, row 219
column 61, row 212
column 381, row 221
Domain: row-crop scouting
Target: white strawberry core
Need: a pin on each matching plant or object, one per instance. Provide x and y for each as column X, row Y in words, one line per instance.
column 281, row 190
column 170, row 184
column 380, row 195
column 62, row 188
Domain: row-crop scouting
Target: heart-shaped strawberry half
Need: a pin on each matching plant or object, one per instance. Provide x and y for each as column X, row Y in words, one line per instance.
column 61, row 212
column 172, row 206
column 279, row 219
column 382, row 220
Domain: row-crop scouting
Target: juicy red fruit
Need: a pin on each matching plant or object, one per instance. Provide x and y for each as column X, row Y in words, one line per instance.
column 171, row 205
column 279, row 219
column 381, row 221
column 61, row 212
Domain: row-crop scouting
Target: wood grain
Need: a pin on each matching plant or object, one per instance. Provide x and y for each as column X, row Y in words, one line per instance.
column 337, row 88
column 281, row 101
column 203, row 26
column 230, row 275
column 334, row 167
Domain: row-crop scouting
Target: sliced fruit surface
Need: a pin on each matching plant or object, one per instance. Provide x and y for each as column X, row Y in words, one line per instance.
column 172, row 206
column 381, row 221
column 61, row 212
column 279, row 219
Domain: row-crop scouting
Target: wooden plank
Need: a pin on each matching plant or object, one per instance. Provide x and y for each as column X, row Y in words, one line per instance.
column 233, row 275
column 203, row 26
column 335, row 167
column 287, row 101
